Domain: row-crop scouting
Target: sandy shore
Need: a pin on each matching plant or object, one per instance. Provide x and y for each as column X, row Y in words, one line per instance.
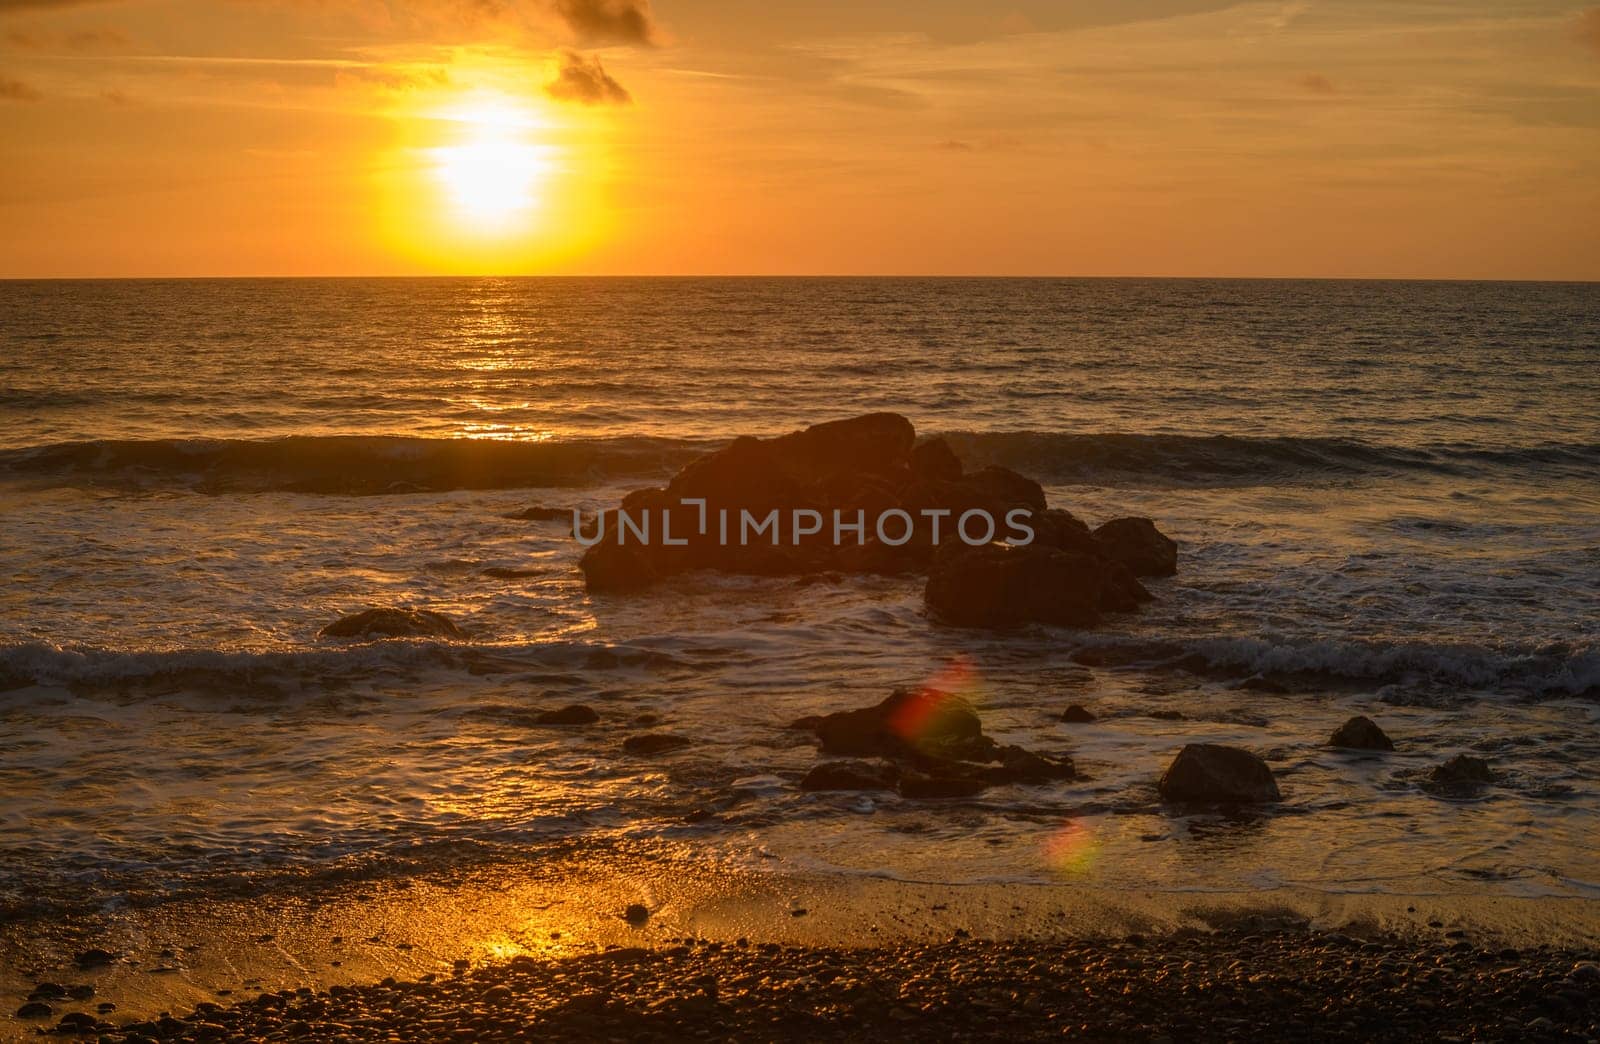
column 800, row 955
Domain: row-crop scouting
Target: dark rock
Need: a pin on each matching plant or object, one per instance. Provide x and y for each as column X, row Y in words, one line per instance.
column 1023, row 766
column 76, row 1022
column 94, row 957
column 934, row 459
column 1207, row 773
column 1361, row 733
column 1121, row 591
column 1001, row 586
column 1463, row 770
column 572, row 714
column 653, row 743
column 81, row 991
column 35, row 1010
column 1139, row 545
column 1064, row 531
column 48, row 991
column 610, row 568
column 907, row 724
column 636, row 913
column 851, row 775
column 392, row 623
column 1077, row 714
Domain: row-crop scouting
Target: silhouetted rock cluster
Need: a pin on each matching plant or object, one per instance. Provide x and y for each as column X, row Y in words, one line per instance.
column 919, row 509
column 930, row 744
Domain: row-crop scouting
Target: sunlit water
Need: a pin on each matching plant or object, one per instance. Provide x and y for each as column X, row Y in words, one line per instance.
column 1386, row 494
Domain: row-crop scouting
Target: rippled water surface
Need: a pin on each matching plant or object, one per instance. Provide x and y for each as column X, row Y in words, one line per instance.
column 1387, row 497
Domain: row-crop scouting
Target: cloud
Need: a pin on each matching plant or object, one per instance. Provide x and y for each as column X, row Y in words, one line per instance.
column 1586, row 28
column 1317, row 83
column 599, row 22
column 16, row 90
column 77, row 40
column 584, row 80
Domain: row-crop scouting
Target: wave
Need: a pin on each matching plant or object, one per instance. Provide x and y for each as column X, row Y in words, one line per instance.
column 1107, row 459
column 345, row 464
column 376, row 464
column 281, row 673
column 1548, row 671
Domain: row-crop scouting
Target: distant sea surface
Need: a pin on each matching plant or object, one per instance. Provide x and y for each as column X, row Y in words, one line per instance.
column 1387, row 497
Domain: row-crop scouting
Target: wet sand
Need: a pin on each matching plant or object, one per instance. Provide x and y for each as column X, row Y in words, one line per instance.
column 804, row 956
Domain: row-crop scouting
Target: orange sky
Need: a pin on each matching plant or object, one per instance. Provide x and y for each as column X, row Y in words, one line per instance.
column 1426, row 138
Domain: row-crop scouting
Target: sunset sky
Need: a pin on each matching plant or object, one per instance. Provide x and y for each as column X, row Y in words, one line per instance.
column 1443, row 138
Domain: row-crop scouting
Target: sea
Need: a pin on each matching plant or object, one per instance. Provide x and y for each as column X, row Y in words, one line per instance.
column 1386, row 496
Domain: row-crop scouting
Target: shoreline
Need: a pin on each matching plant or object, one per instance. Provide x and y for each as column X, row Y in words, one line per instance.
column 173, row 957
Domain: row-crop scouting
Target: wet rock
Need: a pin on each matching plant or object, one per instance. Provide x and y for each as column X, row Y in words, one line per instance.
column 653, row 743
column 392, row 623
column 999, row 586
column 907, row 724
column 48, row 991
column 611, row 568
column 851, row 775
column 636, row 913
column 35, row 1010
column 1361, row 733
column 572, row 714
column 76, row 1022
column 94, row 957
column 1208, row 773
column 80, row 991
column 934, row 459
column 1139, row 545
column 1463, row 770
column 1077, row 714
column 1024, row 766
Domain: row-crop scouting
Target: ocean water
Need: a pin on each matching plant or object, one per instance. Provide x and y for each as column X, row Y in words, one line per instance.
column 1387, row 497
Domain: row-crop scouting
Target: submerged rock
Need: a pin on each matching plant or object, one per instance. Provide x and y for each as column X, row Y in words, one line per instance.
column 851, row 774
column 35, row 1010
column 636, row 913
column 1463, row 770
column 392, row 623
column 1361, row 733
column 572, row 714
column 1000, row 586
column 1077, row 714
column 1208, row 773
column 94, row 957
column 653, row 743
column 544, row 514
column 1139, row 545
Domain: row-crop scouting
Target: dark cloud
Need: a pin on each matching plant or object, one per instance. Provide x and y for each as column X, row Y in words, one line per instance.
column 1586, row 28
column 599, row 22
column 75, row 40
column 584, row 80
column 16, row 90
column 1316, row 83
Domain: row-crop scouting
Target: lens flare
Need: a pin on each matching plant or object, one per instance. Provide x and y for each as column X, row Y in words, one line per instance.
column 1072, row 849
column 955, row 687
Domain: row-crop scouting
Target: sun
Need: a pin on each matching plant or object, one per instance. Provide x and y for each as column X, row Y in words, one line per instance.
column 492, row 174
